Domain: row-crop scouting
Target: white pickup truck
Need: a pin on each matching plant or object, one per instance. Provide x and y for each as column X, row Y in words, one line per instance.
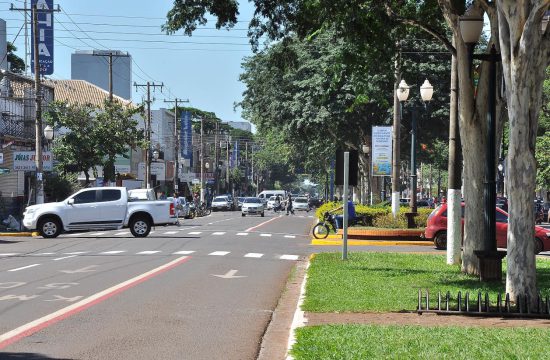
column 100, row 208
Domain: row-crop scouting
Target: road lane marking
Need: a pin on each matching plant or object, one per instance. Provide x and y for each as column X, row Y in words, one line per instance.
column 218, row 233
column 24, row 267
column 9, row 254
column 289, row 257
column 76, row 253
column 112, row 252
column 261, row 224
column 169, row 232
column 242, row 234
column 64, row 257
column 97, row 234
column 290, row 236
column 265, row 235
column 183, row 252
column 148, row 252
column 78, row 234
column 36, row 325
column 195, row 233
column 219, row 253
column 122, row 233
column 254, row 255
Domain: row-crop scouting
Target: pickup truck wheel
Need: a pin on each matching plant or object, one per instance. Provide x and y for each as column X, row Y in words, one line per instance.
column 49, row 228
column 140, row 227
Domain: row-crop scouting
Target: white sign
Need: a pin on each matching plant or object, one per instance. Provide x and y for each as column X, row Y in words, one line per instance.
column 157, row 168
column 381, row 150
column 122, row 169
column 186, row 177
column 24, row 161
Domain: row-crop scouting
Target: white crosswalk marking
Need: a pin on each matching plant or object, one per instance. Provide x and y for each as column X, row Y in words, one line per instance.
column 42, row 254
column 242, row 234
column 290, row 236
column 122, row 233
column 148, row 252
column 9, row 254
column 64, row 257
column 112, row 252
column 24, row 267
column 97, row 234
column 195, row 232
column 218, row 233
column 254, row 255
column 183, row 252
column 289, row 257
column 73, row 253
column 265, row 235
column 78, row 234
column 219, row 253
column 170, row 232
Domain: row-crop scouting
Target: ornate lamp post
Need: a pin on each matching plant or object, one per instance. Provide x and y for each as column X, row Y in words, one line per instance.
column 426, row 92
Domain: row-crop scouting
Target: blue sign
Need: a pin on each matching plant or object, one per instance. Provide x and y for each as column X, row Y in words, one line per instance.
column 235, row 155
column 45, row 36
column 186, row 137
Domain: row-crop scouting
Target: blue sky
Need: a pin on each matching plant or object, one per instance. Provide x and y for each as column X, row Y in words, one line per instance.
column 205, row 71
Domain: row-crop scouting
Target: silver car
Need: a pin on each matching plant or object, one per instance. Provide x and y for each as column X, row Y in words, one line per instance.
column 301, row 203
column 222, row 203
column 252, row 206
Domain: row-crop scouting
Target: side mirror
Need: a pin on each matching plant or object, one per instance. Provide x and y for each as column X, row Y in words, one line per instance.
column 70, row 201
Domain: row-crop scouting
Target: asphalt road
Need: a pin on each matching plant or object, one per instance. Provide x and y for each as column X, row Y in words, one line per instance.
column 203, row 290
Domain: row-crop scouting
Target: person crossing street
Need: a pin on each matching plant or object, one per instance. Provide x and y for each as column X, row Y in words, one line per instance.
column 289, row 208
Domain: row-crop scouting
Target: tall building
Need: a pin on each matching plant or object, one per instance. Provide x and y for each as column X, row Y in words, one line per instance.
column 93, row 66
column 242, row 125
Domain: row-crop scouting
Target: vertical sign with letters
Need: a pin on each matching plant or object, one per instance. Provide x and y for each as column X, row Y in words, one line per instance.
column 45, row 36
column 381, row 150
column 186, row 137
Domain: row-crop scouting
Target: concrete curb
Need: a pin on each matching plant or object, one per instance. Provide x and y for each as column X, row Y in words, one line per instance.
column 354, row 242
column 18, row 234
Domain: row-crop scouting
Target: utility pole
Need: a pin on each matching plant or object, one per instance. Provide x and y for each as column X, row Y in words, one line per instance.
column 216, row 159
column 148, row 130
column 202, row 162
column 110, row 54
column 176, row 138
column 39, row 185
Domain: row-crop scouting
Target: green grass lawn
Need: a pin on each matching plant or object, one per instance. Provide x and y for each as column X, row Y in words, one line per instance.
column 390, row 281
column 415, row 342
column 380, row 282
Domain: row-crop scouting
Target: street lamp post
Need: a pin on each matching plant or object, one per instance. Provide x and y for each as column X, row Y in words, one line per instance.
column 490, row 259
column 426, row 92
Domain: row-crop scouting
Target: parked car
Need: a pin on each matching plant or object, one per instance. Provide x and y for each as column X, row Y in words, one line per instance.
column 301, row 203
column 315, row 202
column 186, row 208
column 100, row 208
column 270, row 203
column 423, row 203
column 222, row 203
column 436, row 229
column 252, row 206
column 240, row 202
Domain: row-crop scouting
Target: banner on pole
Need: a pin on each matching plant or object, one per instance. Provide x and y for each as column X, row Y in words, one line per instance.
column 186, row 138
column 45, row 36
column 381, row 150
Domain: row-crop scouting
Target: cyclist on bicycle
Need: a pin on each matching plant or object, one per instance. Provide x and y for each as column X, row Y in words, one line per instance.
column 339, row 219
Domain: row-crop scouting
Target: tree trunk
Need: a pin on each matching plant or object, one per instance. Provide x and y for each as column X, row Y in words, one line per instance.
column 525, row 56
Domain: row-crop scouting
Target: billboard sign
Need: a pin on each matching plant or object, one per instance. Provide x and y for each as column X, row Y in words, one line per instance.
column 45, row 36
column 24, row 161
column 381, row 150
column 186, row 137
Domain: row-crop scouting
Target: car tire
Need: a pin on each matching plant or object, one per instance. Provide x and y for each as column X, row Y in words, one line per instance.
column 263, row 214
column 49, row 227
column 140, row 226
column 539, row 246
column 440, row 240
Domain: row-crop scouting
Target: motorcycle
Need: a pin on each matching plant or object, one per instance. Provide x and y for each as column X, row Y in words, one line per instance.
column 323, row 228
column 203, row 210
column 278, row 207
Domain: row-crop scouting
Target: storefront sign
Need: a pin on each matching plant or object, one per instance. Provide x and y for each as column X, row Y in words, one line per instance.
column 25, row 161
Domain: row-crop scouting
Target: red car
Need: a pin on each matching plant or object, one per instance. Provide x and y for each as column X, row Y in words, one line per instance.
column 436, row 229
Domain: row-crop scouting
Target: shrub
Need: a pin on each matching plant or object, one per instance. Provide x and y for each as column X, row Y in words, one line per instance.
column 387, row 221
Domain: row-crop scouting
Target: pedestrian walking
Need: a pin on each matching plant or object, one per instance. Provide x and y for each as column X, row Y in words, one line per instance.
column 289, row 208
column 177, row 207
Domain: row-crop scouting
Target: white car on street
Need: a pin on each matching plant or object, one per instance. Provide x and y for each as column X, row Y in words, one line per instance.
column 252, row 206
column 270, row 203
column 301, row 203
column 222, row 203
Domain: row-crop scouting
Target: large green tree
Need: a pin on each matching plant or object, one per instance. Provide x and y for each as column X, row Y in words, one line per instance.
column 91, row 137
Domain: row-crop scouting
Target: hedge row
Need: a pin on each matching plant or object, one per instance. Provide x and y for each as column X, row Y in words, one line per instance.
column 381, row 217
